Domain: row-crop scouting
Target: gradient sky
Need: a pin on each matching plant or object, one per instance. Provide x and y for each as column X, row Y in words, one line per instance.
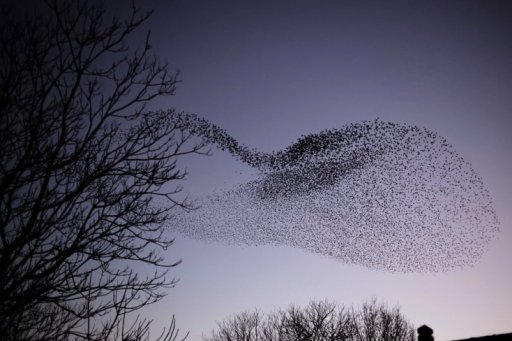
column 271, row 71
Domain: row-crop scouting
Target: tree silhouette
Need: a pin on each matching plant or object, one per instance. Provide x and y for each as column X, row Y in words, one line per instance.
column 319, row 321
column 85, row 175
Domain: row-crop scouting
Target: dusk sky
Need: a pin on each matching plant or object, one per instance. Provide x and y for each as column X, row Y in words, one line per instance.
column 269, row 72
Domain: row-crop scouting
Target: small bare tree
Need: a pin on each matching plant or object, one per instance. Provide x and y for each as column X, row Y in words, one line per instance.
column 85, row 175
column 378, row 322
column 320, row 321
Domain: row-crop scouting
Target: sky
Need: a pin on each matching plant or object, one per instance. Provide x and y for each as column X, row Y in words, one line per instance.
column 269, row 72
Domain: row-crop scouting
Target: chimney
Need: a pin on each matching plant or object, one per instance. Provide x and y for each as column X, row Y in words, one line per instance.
column 425, row 333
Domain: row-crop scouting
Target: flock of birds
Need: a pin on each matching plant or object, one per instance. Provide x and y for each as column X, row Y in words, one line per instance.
column 382, row 195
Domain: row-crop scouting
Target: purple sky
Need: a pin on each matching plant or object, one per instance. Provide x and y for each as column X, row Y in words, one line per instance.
column 271, row 71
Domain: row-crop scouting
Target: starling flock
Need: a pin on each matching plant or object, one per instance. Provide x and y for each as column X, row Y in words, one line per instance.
column 382, row 195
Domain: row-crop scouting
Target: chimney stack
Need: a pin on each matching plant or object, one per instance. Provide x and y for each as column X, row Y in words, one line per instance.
column 425, row 333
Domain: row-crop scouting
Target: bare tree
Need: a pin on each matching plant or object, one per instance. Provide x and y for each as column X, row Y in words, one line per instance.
column 85, row 174
column 244, row 326
column 378, row 322
column 319, row 321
